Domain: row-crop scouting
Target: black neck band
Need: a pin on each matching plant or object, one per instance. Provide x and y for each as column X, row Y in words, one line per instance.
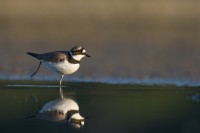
column 70, row 113
column 71, row 59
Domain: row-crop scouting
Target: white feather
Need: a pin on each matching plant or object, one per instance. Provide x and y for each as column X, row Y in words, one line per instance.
column 84, row 51
column 78, row 57
column 63, row 67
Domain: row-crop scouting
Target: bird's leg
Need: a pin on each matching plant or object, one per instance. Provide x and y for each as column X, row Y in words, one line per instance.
column 61, row 80
column 37, row 69
column 61, row 92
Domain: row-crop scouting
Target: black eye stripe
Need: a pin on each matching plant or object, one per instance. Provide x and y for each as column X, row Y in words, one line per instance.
column 78, row 51
column 75, row 121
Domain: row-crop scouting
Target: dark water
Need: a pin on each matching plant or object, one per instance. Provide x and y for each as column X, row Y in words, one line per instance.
column 111, row 108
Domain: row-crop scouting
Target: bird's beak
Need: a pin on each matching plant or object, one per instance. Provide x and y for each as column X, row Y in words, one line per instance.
column 87, row 55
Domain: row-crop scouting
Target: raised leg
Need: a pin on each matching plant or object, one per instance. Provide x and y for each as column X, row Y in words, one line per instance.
column 36, row 70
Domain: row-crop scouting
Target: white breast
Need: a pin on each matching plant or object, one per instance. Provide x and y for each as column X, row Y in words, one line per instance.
column 63, row 67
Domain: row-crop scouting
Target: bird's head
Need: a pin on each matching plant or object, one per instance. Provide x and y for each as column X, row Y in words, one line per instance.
column 78, row 52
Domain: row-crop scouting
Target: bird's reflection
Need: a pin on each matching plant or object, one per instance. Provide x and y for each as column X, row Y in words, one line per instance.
column 62, row 110
column 61, row 93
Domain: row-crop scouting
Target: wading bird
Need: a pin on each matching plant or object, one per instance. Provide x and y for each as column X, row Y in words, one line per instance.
column 62, row 62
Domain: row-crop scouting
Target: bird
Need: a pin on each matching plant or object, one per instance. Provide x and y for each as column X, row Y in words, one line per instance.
column 62, row 110
column 62, row 62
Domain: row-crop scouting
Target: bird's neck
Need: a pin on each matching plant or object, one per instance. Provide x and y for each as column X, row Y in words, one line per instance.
column 71, row 59
column 76, row 57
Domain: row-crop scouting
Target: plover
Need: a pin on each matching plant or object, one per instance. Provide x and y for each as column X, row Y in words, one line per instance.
column 63, row 110
column 62, row 62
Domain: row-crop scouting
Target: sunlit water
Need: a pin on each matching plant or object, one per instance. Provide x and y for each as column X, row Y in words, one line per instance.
column 110, row 108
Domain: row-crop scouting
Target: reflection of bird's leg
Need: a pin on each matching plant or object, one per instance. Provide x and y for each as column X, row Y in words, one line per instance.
column 39, row 108
column 37, row 69
column 61, row 92
column 36, row 102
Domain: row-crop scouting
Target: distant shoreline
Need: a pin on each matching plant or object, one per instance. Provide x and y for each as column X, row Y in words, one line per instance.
column 24, row 80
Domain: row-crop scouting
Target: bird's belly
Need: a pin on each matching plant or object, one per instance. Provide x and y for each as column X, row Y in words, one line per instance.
column 50, row 111
column 63, row 67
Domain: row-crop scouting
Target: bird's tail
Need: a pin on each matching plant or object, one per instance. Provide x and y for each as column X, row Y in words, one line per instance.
column 33, row 54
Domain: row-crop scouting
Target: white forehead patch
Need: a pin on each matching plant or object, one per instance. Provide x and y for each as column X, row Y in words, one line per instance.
column 84, row 51
column 82, row 123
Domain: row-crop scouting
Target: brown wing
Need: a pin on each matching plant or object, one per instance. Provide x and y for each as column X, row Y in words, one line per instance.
column 57, row 56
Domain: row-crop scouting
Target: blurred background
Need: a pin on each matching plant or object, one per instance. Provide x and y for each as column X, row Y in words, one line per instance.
column 130, row 39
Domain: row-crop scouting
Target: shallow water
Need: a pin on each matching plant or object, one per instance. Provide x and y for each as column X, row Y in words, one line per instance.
column 110, row 108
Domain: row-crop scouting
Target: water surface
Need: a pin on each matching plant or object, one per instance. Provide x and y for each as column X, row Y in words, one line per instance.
column 110, row 108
